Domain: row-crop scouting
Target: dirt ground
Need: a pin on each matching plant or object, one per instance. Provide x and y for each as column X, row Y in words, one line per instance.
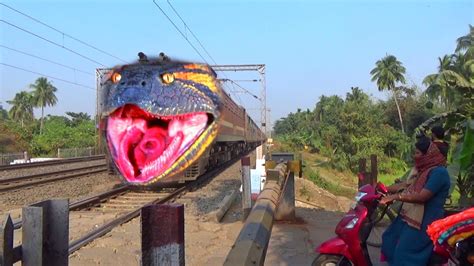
column 208, row 242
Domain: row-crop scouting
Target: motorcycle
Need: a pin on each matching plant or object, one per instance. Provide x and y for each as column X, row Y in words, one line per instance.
column 349, row 247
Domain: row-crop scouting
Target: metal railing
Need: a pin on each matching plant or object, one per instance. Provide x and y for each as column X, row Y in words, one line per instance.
column 8, row 158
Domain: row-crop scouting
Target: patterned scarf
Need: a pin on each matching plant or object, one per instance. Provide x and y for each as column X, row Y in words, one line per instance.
column 413, row 213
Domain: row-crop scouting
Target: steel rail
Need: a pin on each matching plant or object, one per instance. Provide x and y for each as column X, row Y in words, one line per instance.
column 49, row 180
column 90, row 201
column 51, row 162
column 25, row 177
column 104, row 229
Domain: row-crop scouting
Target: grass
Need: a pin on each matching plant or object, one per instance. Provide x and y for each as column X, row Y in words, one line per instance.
column 334, row 188
column 343, row 183
column 388, row 179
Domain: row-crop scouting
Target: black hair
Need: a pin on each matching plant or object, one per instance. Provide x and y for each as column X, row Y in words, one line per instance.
column 438, row 131
column 423, row 144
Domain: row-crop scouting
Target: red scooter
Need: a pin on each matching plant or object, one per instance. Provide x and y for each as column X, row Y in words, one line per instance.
column 349, row 247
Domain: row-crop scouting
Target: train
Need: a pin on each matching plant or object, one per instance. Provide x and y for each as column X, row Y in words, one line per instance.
column 167, row 122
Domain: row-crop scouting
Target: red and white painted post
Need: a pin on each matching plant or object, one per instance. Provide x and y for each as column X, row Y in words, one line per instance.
column 162, row 228
column 246, row 193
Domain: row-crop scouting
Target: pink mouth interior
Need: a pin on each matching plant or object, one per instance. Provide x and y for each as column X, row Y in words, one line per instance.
column 146, row 144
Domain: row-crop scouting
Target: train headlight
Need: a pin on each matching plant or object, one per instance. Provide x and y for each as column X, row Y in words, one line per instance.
column 116, row 77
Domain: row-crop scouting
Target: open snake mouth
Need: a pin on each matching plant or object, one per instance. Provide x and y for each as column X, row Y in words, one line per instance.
column 144, row 145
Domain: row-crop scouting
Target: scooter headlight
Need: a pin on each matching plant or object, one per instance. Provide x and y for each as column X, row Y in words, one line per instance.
column 359, row 196
column 352, row 223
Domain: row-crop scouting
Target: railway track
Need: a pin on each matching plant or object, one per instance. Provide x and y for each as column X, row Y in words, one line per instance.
column 51, row 162
column 14, row 183
column 128, row 204
column 122, row 204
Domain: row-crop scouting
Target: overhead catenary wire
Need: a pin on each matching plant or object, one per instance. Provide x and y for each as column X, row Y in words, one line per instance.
column 182, row 34
column 63, row 33
column 199, row 42
column 52, row 42
column 192, row 33
column 51, row 77
column 47, row 60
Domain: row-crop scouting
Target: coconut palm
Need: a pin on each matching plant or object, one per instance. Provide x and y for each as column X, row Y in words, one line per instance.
column 466, row 42
column 43, row 95
column 22, row 107
column 437, row 84
column 387, row 72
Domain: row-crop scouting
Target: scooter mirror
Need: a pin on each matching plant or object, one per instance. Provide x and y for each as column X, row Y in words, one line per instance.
column 382, row 188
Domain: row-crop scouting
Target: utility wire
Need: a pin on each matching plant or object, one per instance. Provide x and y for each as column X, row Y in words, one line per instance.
column 47, row 60
column 192, row 33
column 63, row 33
column 51, row 77
column 195, row 37
column 244, row 89
column 52, row 42
column 182, row 34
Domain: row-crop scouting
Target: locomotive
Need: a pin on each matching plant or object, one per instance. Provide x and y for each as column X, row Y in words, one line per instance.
column 166, row 121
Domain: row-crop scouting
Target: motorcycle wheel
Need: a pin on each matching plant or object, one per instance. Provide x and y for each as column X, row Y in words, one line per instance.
column 330, row 260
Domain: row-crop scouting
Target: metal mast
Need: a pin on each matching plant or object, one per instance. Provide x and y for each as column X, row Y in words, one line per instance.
column 260, row 68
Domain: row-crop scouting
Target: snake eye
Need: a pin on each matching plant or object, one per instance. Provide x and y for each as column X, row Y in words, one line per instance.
column 167, row 78
column 116, row 77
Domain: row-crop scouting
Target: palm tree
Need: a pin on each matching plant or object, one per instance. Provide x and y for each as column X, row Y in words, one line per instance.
column 466, row 42
column 43, row 95
column 22, row 107
column 437, row 84
column 387, row 72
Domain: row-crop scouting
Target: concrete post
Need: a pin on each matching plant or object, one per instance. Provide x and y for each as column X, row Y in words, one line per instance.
column 259, row 152
column 286, row 206
column 6, row 242
column 45, row 235
column 246, row 192
column 162, row 229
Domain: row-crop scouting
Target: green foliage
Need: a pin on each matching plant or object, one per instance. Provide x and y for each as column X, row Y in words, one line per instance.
column 77, row 118
column 43, row 95
column 13, row 137
column 22, row 107
column 387, row 73
column 3, row 114
column 333, row 187
column 453, row 87
column 60, row 133
column 345, row 130
column 467, row 150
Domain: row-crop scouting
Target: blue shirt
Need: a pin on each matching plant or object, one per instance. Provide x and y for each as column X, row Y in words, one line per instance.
column 438, row 183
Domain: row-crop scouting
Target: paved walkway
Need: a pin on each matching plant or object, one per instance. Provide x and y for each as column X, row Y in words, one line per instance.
column 294, row 243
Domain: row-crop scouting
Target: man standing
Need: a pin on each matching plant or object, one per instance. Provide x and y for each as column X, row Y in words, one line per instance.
column 437, row 136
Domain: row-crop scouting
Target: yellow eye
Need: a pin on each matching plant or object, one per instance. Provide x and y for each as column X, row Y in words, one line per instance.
column 116, row 77
column 167, row 78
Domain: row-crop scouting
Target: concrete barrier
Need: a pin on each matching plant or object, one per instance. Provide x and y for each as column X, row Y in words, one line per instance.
column 251, row 245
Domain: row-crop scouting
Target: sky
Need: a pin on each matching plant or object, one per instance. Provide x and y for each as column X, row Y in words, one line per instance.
column 309, row 48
